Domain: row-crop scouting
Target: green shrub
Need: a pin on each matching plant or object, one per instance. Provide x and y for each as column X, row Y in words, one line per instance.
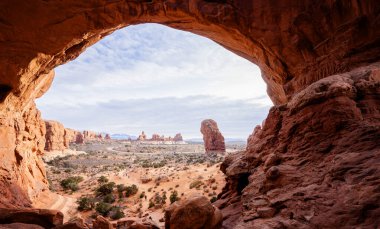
column 71, row 183
column 151, row 204
column 116, row 213
column 102, row 180
column 213, row 199
column 105, row 189
column 173, row 196
column 109, row 198
column 103, row 208
column 131, row 190
column 196, row 184
column 85, row 204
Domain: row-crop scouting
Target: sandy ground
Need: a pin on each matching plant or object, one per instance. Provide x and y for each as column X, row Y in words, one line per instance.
column 124, row 164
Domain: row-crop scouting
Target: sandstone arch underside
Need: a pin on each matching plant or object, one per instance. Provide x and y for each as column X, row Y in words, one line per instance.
column 320, row 60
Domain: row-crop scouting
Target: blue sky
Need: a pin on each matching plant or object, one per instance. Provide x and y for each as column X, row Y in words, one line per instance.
column 153, row 78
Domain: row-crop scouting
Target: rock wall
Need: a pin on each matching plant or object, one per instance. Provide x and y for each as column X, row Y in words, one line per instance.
column 315, row 162
column 55, row 136
column 212, row 138
column 70, row 136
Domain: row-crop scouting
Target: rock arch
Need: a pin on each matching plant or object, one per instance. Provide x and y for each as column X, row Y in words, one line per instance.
column 295, row 43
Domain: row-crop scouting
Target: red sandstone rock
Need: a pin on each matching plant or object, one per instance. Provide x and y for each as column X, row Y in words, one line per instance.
column 314, row 162
column 212, row 138
column 55, row 136
column 178, row 138
column 79, row 138
column 142, row 137
column 90, row 135
column 196, row 212
column 157, row 137
column 40, row 217
column 70, row 136
column 102, row 223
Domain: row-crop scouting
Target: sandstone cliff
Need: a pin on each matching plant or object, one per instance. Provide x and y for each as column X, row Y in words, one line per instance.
column 315, row 162
column 55, row 136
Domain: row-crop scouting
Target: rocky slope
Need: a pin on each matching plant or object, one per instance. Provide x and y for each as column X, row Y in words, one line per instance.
column 315, row 162
column 212, row 138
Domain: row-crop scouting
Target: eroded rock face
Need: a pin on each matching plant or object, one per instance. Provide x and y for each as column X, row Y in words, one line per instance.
column 22, row 172
column 55, row 136
column 314, row 162
column 196, row 212
column 212, row 138
column 70, row 136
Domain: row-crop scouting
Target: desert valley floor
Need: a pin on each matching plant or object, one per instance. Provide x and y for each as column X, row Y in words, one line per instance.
column 161, row 173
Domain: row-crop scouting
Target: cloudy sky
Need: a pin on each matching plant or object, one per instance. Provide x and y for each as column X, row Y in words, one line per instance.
column 154, row 78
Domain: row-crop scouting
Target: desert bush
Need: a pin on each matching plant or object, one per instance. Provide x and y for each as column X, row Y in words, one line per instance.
column 116, row 213
column 151, row 204
column 109, row 198
column 173, row 196
column 102, row 180
column 105, row 188
column 213, row 199
column 85, row 203
column 71, row 183
column 196, row 184
column 103, row 208
column 131, row 190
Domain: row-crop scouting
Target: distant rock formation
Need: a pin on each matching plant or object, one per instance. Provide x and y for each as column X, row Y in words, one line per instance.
column 107, row 137
column 70, row 136
column 89, row 135
column 142, row 137
column 178, row 138
column 194, row 212
column 79, row 139
column 213, row 139
column 157, row 137
column 160, row 138
column 55, row 136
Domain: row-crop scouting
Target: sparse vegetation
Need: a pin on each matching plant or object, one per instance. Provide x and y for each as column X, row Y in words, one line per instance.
column 174, row 196
column 71, row 183
column 85, row 203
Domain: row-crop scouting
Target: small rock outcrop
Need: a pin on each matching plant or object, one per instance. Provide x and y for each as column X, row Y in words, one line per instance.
column 196, row 212
column 101, row 223
column 30, row 218
column 212, row 138
column 107, row 137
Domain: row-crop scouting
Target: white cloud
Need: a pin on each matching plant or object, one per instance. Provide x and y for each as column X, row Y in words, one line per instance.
column 137, row 64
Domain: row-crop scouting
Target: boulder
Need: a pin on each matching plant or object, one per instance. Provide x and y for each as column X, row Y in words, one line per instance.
column 196, row 212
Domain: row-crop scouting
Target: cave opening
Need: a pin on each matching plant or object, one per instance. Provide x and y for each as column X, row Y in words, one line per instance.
column 131, row 84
